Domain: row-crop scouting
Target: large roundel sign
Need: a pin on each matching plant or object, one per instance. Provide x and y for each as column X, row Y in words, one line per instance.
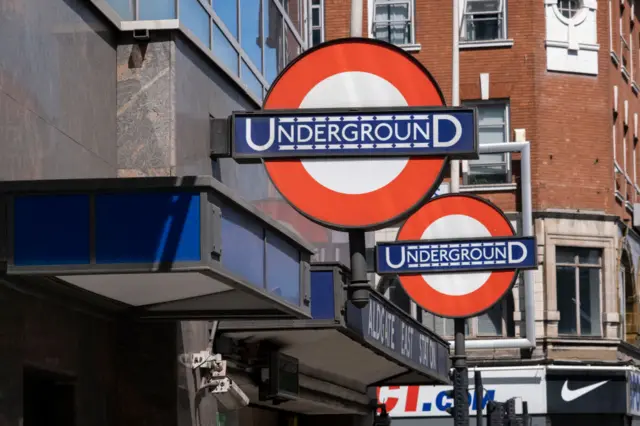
column 457, row 256
column 369, row 191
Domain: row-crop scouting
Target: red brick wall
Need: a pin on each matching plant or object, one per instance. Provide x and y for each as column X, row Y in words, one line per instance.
column 568, row 118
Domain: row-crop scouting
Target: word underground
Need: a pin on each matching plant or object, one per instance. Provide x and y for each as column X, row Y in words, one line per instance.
column 433, row 132
column 392, row 332
column 413, row 258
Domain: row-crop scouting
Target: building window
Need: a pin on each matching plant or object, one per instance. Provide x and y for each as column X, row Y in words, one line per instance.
column 393, row 21
column 496, row 322
column 578, row 277
column 569, row 8
column 493, row 127
column 484, row 20
column 317, row 22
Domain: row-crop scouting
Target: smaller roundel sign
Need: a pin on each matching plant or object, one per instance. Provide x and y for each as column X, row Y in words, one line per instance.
column 457, row 256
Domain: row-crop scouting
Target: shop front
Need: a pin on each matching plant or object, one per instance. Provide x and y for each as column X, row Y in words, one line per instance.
column 555, row 395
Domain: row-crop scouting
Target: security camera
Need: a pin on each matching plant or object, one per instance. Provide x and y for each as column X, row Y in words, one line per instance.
column 228, row 393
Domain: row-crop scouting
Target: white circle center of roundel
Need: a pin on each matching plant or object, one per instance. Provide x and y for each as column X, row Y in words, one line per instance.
column 355, row 90
column 456, row 226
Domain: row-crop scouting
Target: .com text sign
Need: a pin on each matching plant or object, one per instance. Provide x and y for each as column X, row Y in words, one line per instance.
column 415, row 132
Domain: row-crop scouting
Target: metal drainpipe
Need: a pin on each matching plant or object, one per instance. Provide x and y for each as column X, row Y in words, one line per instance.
column 527, row 230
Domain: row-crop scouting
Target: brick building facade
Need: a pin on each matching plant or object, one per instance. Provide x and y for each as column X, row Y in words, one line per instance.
column 562, row 75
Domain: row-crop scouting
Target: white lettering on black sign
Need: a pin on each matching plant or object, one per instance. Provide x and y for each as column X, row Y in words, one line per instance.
column 381, row 325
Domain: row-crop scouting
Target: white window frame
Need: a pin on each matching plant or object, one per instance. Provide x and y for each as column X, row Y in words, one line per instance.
column 580, row 7
column 627, row 69
column 311, row 8
column 507, row 132
column 411, row 20
column 577, row 265
column 502, row 17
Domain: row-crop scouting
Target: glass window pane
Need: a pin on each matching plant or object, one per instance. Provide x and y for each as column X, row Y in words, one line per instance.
column 250, row 39
column 566, row 296
column 292, row 46
column 491, row 115
column 392, row 12
column 588, row 256
column 196, row 19
column 565, row 255
column 491, row 135
column 274, row 46
column 224, row 51
column 490, row 323
column 315, row 16
column 486, row 175
column 484, row 27
column 124, row 8
column 316, row 37
column 157, row 9
column 428, row 320
column 250, row 79
column 589, row 301
column 227, row 11
column 474, row 6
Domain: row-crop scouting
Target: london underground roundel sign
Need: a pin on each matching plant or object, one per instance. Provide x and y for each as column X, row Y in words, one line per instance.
column 457, row 256
column 347, row 193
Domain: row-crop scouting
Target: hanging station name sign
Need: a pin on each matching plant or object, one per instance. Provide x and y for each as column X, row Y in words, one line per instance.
column 412, row 257
column 371, row 132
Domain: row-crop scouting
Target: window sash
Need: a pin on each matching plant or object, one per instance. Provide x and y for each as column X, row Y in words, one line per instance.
column 470, row 18
column 578, row 267
column 478, row 168
column 404, row 23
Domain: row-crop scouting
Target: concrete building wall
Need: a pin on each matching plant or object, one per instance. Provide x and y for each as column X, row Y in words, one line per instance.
column 50, row 125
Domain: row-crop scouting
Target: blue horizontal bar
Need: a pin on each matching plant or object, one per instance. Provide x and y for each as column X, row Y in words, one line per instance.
column 481, row 254
column 393, row 132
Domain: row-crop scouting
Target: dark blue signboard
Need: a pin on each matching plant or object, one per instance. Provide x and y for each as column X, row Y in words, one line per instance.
column 481, row 254
column 347, row 133
column 383, row 325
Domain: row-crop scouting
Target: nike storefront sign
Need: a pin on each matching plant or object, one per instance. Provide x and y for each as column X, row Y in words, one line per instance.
column 570, row 394
column 586, row 392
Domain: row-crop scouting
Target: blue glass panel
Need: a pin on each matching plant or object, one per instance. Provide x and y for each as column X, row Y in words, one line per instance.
column 147, row 228
column 195, row 18
column 250, row 39
column 223, row 49
column 156, row 9
column 283, row 269
column 123, row 7
column 273, row 44
column 227, row 11
column 51, row 230
column 243, row 246
column 322, row 295
column 250, row 79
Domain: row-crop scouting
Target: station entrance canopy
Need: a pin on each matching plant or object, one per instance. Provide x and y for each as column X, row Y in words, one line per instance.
column 173, row 248
column 352, row 348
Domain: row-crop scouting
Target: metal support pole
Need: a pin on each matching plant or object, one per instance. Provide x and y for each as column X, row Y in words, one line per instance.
column 477, row 378
column 358, row 289
column 455, row 86
column 460, row 376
